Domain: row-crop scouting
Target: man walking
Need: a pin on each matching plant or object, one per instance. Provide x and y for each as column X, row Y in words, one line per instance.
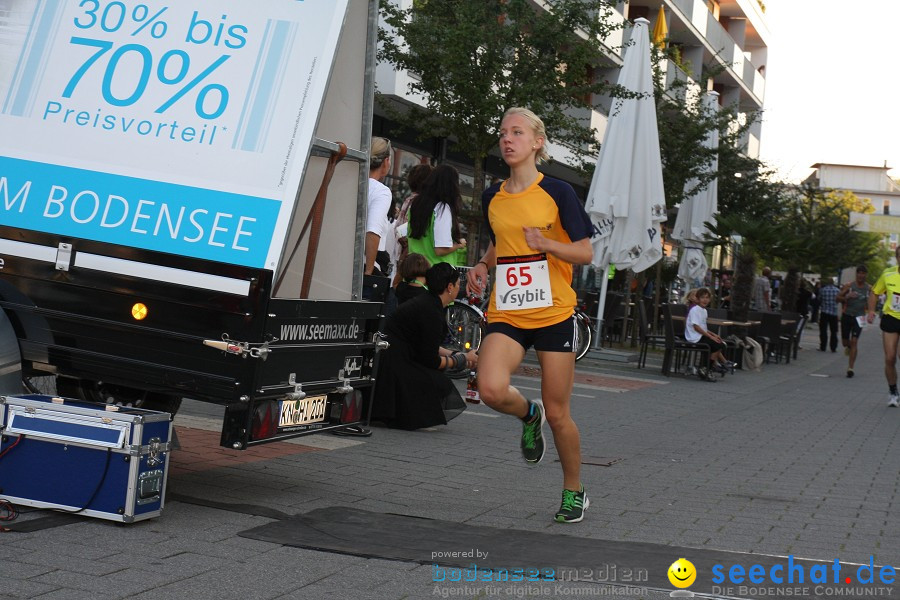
column 828, row 314
column 762, row 291
column 855, row 296
column 888, row 283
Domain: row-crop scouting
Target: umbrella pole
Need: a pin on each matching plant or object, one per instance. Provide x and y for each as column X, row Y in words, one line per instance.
column 657, row 293
column 629, row 298
column 601, row 304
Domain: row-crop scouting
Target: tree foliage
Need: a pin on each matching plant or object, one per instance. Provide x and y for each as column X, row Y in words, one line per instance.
column 821, row 218
column 473, row 59
column 470, row 60
column 684, row 125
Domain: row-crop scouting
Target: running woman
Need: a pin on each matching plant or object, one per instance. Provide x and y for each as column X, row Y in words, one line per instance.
column 538, row 230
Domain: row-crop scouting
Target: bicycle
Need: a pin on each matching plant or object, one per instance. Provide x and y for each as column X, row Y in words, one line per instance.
column 584, row 334
column 466, row 320
column 40, row 384
column 465, row 317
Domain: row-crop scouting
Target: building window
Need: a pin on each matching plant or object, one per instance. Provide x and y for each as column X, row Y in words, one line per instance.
column 887, row 207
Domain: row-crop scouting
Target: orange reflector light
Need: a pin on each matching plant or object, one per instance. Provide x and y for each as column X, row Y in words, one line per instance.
column 139, row 311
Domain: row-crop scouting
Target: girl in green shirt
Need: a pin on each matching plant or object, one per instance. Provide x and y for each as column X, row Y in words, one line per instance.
column 434, row 218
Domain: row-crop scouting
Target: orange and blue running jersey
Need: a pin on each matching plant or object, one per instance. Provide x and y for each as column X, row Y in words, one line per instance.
column 552, row 206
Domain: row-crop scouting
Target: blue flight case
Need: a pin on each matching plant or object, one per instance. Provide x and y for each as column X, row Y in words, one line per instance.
column 86, row 458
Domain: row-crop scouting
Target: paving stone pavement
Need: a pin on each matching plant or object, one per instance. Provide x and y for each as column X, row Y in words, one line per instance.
column 793, row 460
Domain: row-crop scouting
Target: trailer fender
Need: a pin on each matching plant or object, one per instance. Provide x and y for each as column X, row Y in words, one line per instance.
column 10, row 358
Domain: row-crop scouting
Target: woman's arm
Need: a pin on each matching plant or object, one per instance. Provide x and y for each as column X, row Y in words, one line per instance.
column 476, row 278
column 428, row 324
column 576, row 253
column 444, row 251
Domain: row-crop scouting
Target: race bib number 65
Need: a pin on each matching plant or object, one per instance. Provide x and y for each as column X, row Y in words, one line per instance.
column 523, row 282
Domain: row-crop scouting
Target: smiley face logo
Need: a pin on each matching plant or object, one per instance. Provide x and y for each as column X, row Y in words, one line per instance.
column 682, row 573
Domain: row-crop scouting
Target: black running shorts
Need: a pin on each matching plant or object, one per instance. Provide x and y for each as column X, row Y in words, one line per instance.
column 890, row 324
column 849, row 327
column 552, row 338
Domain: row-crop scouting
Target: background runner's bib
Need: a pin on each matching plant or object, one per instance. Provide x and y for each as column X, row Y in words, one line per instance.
column 523, row 282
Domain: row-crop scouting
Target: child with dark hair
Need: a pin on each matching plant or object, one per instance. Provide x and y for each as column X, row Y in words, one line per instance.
column 412, row 392
column 415, row 178
column 696, row 332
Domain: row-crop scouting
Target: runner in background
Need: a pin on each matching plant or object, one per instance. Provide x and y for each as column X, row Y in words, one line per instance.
column 855, row 296
column 889, row 284
column 538, row 230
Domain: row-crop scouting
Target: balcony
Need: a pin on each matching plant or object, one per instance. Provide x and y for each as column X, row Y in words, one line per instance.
column 691, row 24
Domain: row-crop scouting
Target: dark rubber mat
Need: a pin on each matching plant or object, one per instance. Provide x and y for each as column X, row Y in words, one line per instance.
column 447, row 544
column 245, row 509
column 49, row 521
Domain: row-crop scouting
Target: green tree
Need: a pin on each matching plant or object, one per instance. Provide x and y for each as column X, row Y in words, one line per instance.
column 822, row 219
column 684, row 125
column 752, row 209
column 473, row 59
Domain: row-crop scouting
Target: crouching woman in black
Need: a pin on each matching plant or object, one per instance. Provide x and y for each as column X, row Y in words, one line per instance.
column 411, row 392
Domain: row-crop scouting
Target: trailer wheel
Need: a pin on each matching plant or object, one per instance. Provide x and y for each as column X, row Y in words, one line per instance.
column 108, row 393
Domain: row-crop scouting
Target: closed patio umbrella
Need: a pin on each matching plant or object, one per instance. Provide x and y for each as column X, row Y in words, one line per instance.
column 660, row 30
column 693, row 214
column 626, row 200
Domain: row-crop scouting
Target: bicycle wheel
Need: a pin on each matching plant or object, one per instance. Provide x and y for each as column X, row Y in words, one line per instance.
column 40, row 384
column 466, row 325
column 107, row 393
column 583, row 336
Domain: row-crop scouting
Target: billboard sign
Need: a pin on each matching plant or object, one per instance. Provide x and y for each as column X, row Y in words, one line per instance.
column 177, row 127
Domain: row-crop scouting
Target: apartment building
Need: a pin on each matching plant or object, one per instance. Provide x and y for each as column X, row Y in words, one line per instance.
column 726, row 39
column 872, row 183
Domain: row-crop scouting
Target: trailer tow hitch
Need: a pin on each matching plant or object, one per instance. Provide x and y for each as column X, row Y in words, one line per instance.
column 243, row 349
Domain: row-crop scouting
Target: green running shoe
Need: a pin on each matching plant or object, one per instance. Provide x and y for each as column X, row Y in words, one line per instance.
column 533, row 434
column 573, row 506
